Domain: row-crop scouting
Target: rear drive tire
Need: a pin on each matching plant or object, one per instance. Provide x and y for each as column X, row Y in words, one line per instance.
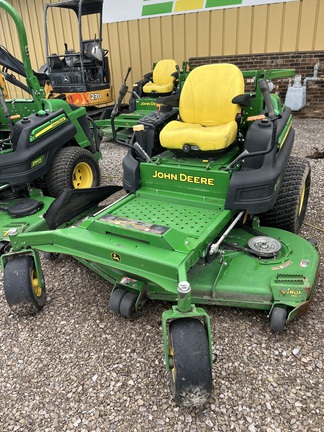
column 72, row 168
column 289, row 210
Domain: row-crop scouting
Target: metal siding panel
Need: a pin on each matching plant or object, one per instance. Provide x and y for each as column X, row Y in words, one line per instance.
column 230, row 31
column 259, row 25
column 191, row 35
column 319, row 32
column 203, row 33
column 135, row 53
column 307, row 25
column 224, row 31
column 34, row 38
column 39, row 14
column 11, row 35
column 106, row 45
column 217, row 29
column 11, row 42
column 290, row 26
column 179, row 40
column 274, row 27
column 145, row 44
column 244, row 30
column 5, row 38
column 167, row 38
column 156, row 38
column 124, row 47
column 116, row 72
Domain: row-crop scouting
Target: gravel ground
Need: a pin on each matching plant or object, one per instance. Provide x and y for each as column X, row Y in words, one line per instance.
column 76, row 366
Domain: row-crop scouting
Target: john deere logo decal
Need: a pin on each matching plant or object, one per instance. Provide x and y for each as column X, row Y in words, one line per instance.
column 37, row 161
column 115, row 256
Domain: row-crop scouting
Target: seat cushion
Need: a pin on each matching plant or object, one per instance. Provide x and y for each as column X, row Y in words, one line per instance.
column 206, row 109
column 163, row 81
column 158, row 88
column 176, row 134
column 206, row 97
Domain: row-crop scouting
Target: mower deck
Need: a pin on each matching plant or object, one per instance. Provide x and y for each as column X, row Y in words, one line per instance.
column 151, row 240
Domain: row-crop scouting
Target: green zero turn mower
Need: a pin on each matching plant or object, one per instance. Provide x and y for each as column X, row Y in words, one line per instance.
column 210, row 218
column 44, row 143
column 166, row 79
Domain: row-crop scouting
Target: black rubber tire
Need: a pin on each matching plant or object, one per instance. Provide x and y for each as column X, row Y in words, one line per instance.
column 22, row 297
column 191, row 368
column 60, row 175
column 127, row 304
column 289, row 210
column 115, row 299
column 4, row 247
column 51, row 256
column 278, row 318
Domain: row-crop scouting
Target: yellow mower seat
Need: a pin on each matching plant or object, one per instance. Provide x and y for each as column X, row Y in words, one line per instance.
column 206, row 109
column 163, row 82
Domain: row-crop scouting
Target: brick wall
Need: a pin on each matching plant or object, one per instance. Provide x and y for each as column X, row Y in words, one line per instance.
column 302, row 62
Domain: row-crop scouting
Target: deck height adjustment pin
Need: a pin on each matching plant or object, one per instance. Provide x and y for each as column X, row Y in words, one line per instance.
column 184, row 296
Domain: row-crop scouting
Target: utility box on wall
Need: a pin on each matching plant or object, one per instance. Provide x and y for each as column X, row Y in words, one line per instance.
column 296, row 95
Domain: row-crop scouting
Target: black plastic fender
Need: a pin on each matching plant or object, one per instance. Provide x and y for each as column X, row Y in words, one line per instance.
column 31, row 159
column 256, row 186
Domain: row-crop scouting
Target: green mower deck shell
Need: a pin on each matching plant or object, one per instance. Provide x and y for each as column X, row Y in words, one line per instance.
column 34, row 222
column 160, row 236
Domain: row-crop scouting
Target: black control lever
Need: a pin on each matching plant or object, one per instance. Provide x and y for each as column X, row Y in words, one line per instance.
column 122, row 93
column 263, row 85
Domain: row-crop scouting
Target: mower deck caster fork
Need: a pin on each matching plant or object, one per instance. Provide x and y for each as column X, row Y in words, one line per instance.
column 188, row 350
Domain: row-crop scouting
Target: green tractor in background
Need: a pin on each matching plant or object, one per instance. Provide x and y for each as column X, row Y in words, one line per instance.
column 44, row 143
column 166, row 79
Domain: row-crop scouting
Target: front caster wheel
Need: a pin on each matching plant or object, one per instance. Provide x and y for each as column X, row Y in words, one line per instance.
column 22, row 290
column 190, row 363
column 51, row 256
column 127, row 304
column 278, row 319
column 123, row 302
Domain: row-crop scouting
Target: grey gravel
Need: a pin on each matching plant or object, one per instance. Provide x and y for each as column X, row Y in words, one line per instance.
column 76, row 366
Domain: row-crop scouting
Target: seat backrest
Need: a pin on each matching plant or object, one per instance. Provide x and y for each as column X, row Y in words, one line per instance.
column 163, row 70
column 206, row 97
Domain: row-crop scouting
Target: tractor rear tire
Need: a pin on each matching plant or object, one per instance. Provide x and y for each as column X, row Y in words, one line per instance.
column 72, row 168
column 289, row 210
column 190, row 363
column 23, row 293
